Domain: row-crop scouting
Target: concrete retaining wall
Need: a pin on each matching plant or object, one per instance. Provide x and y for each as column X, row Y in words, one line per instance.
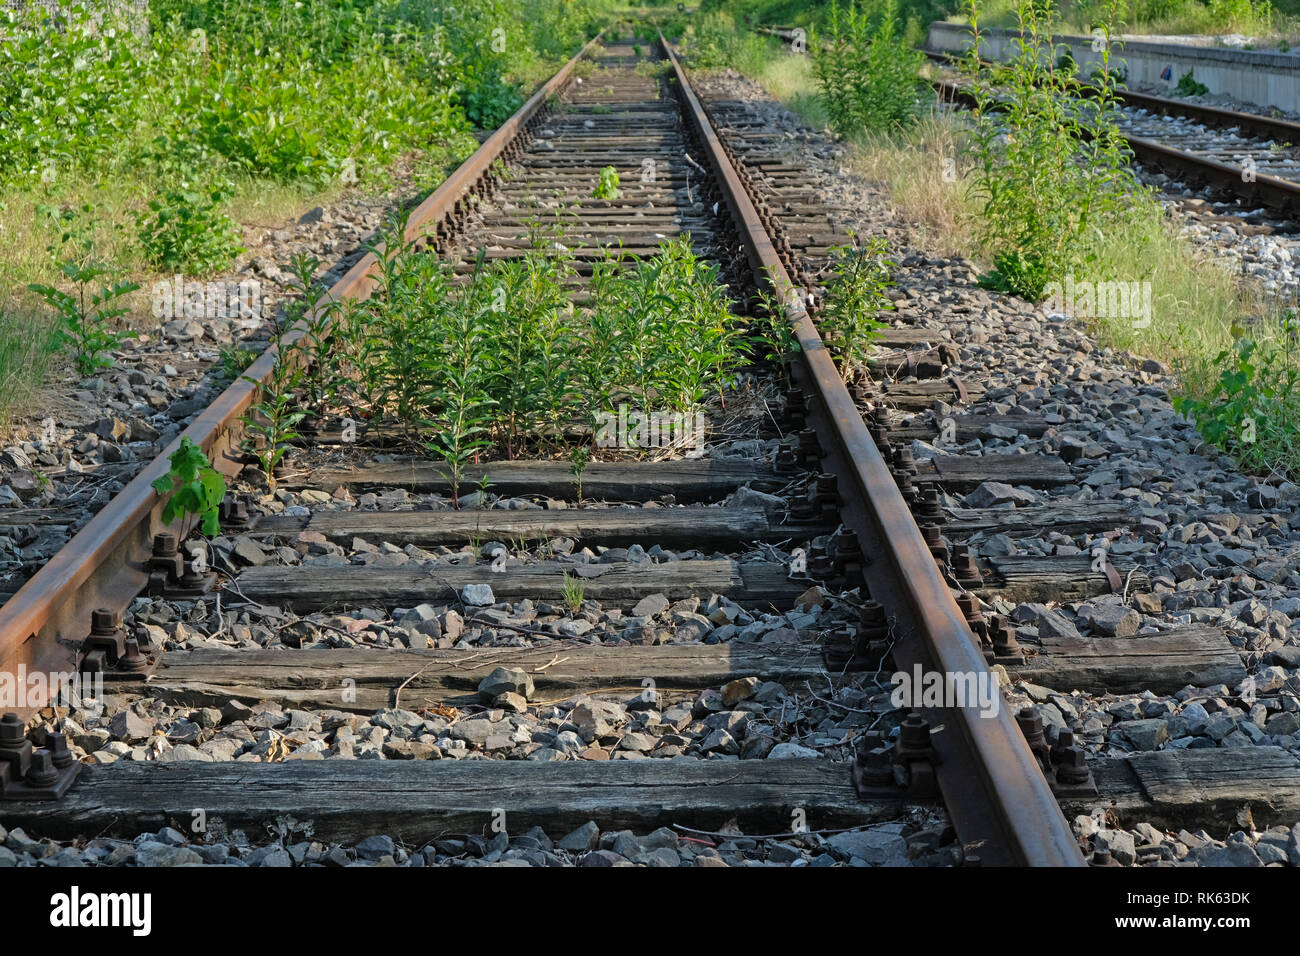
column 1259, row 79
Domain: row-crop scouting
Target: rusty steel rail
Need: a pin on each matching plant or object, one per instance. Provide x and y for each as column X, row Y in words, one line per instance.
column 1000, row 803
column 105, row 564
column 1252, row 124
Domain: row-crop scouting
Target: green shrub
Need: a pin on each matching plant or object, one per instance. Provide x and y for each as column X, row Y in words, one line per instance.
column 1188, row 86
column 868, row 76
column 186, row 230
column 1052, row 164
column 1253, row 409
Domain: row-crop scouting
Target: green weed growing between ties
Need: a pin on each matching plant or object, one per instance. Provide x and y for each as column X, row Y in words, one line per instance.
column 579, row 458
column 271, row 422
column 607, row 186
column 773, row 336
column 574, row 590
column 196, row 488
column 497, row 361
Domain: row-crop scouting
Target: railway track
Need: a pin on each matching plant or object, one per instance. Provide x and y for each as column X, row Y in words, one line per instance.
column 853, row 523
column 667, row 650
column 1249, row 157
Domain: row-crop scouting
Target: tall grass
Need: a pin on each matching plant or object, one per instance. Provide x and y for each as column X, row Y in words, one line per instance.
column 27, row 348
column 1254, row 18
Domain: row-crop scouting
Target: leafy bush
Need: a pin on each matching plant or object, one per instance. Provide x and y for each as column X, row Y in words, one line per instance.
column 64, row 93
column 294, row 91
column 186, row 230
column 490, row 99
column 868, row 76
column 1052, row 164
column 1253, row 410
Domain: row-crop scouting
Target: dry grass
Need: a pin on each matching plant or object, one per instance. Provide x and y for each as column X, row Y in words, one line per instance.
column 25, row 357
column 788, row 77
column 924, row 172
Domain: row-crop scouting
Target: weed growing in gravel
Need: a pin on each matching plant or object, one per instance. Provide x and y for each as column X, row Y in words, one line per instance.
column 1253, row 410
column 607, row 187
column 662, row 332
column 868, row 76
column 198, row 488
column 232, row 360
column 84, row 315
column 773, row 336
column 317, row 313
column 532, row 319
column 270, row 424
column 460, row 405
column 574, row 589
column 1052, row 164
column 855, row 294
column 1188, row 86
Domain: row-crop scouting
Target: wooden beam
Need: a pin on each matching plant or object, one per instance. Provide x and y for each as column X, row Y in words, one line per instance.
column 314, row 679
column 759, row 585
column 1161, row 663
column 1066, row 517
column 962, row 473
column 416, row 800
column 706, row 479
column 701, row 528
column 1207, row 788
column 1062, row 578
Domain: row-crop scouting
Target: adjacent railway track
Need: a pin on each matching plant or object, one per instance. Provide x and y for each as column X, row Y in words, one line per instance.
column 828, row 475
column 1250, row 157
